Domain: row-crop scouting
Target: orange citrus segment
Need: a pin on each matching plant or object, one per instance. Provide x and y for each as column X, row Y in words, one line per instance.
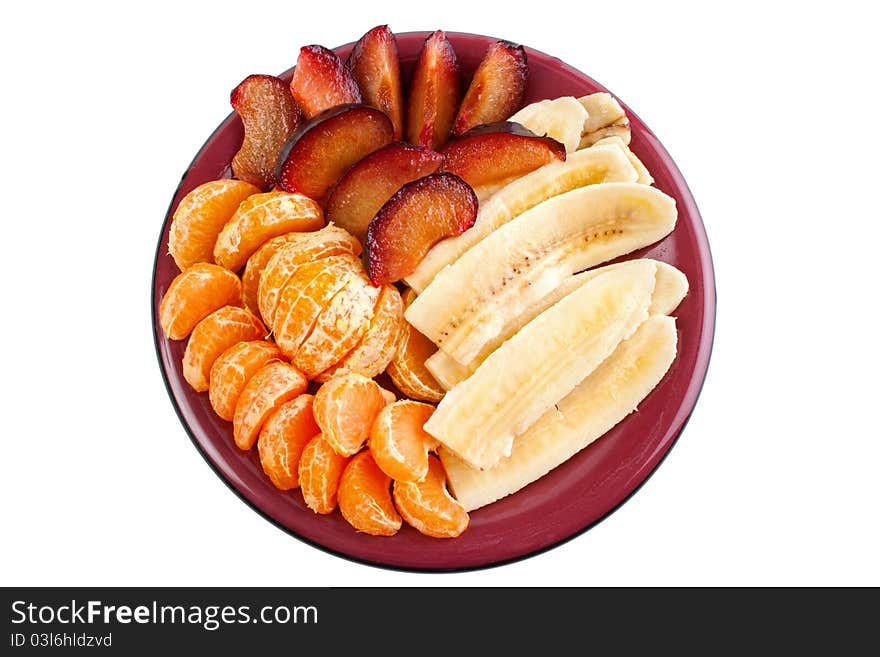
column 273, row 384
column 377, row 347
column 345, row 408
column 365, row 497
column 283, row 438
column 214, row 335
column 399, row 444
column 199, row 218
column 428, row 506
column 320, row 469
column 407, row 368
column 233, row 369
column 339, row 327
column 261, row 217
column 253, row 269
column 302, row 248
column 193, row 295
column 308, row 291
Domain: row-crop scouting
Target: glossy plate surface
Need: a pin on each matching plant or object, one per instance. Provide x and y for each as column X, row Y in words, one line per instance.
column 560, row 505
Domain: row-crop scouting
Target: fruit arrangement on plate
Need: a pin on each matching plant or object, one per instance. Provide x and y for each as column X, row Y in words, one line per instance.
column 402, row 297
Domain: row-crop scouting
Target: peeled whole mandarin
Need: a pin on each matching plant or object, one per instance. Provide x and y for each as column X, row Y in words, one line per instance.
column 308, row 291
column 338, row 327
column 302, row 248
column 377, row 347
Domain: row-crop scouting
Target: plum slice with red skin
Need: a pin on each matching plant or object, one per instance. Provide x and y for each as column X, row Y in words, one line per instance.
column 322, row 149
column 496, row 91
column 419, row 215
column 497, row 152
column 375, row 65
column 434, row 94
column 269, row 115
column 367, row 185
column 321, row 80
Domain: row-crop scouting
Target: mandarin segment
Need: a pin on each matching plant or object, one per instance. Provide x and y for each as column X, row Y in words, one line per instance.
column 214, row 335
column 273, row 384
column 407, row 368
column 398, row 442
column 427, row 505
column 365, row 497
column 345, row 408
column 260, row 218
column 233, row 369
column 301, row 248
column 376, row 349
column 254, row 268
column 283, row 438
column 193, row 295
column 339, row 327
column 320, row 469
column 305, row 295
column 200, row 216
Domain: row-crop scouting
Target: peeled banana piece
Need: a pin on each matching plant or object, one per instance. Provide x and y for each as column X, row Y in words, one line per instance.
column 602, row 110
column 469, row 302
column 645, row 177
column 605, row 118
column 591, row 166
column 599, row 402
column 561, row 118
column 479, row 418
column 670, row 287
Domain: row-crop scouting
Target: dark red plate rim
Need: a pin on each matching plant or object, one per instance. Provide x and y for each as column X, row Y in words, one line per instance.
column 416, row 553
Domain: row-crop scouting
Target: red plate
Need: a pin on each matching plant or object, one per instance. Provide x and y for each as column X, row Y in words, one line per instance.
column 557, row 507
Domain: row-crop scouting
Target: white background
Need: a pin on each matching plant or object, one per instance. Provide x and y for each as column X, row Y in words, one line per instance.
column 771, row 113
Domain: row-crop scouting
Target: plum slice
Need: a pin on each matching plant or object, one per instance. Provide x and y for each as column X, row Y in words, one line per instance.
column 375, row 65
column 322, row 149
column 269, row 115
column 496, row 153
column 497, row 88
column 321, row 81
column 434, row 95
column 365, row 187
column 419, row 215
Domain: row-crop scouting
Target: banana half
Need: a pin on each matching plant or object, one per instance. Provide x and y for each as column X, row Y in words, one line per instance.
column 611, row 392
column 468, row 303
column 610, row 162
column 539, row 365
column 670, row 287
